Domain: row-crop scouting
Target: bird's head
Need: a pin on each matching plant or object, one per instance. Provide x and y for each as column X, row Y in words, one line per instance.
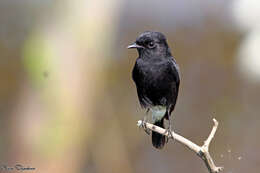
column 151, row 44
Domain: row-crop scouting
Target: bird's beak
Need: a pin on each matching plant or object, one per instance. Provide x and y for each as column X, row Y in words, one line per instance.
column 134, row 45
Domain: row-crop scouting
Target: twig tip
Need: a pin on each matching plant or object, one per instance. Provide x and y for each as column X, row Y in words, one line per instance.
column 215, row 121
column 218, row 169
column 139, row 123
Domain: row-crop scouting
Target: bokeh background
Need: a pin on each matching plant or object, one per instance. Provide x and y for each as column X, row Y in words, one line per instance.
column 68, row 104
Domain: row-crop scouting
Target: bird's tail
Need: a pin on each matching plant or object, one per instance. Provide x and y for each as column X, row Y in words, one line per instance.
column 158, row 140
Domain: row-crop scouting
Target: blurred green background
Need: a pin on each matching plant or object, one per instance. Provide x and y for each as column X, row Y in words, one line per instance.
column 68, row 103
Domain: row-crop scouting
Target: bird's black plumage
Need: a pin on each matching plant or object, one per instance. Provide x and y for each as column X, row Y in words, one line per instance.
column 156, row 75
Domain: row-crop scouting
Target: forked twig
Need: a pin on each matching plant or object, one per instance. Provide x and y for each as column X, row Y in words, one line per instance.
column 201, row 151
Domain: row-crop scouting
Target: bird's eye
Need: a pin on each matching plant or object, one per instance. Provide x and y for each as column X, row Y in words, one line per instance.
column 151, row 44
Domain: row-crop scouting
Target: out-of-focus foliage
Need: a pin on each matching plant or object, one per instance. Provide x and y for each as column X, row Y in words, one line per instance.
column 68, row 104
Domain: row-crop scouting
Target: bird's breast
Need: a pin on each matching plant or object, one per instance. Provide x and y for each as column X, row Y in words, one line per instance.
column 153, row 71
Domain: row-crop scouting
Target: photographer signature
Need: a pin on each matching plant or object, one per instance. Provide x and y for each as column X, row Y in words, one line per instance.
column 18, row 167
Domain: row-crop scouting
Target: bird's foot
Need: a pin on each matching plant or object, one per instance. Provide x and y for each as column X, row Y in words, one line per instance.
column 148, row 131
column 169, row 134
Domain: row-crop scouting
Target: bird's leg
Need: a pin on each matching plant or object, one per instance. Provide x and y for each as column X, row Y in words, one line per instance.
column 169, row 129
column 144, row 123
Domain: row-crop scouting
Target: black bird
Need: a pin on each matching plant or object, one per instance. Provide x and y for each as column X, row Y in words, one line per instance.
column 156, row 75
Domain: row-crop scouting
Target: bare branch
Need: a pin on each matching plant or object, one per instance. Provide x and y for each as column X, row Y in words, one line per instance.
column 212, row 134
column 201, row 151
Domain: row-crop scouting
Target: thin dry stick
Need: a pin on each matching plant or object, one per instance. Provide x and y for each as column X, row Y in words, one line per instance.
column 201, row 151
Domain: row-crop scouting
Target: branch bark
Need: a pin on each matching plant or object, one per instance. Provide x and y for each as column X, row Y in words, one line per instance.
column 201, row 151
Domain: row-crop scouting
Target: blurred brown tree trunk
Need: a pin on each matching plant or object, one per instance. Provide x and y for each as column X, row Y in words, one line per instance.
column 64, row 57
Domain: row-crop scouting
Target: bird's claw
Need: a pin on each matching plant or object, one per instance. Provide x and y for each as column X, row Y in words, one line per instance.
column 169, row 134
column 147, row 131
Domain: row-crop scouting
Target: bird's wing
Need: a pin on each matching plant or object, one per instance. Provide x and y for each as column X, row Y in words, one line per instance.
column 138, row 78
column 173, row 70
